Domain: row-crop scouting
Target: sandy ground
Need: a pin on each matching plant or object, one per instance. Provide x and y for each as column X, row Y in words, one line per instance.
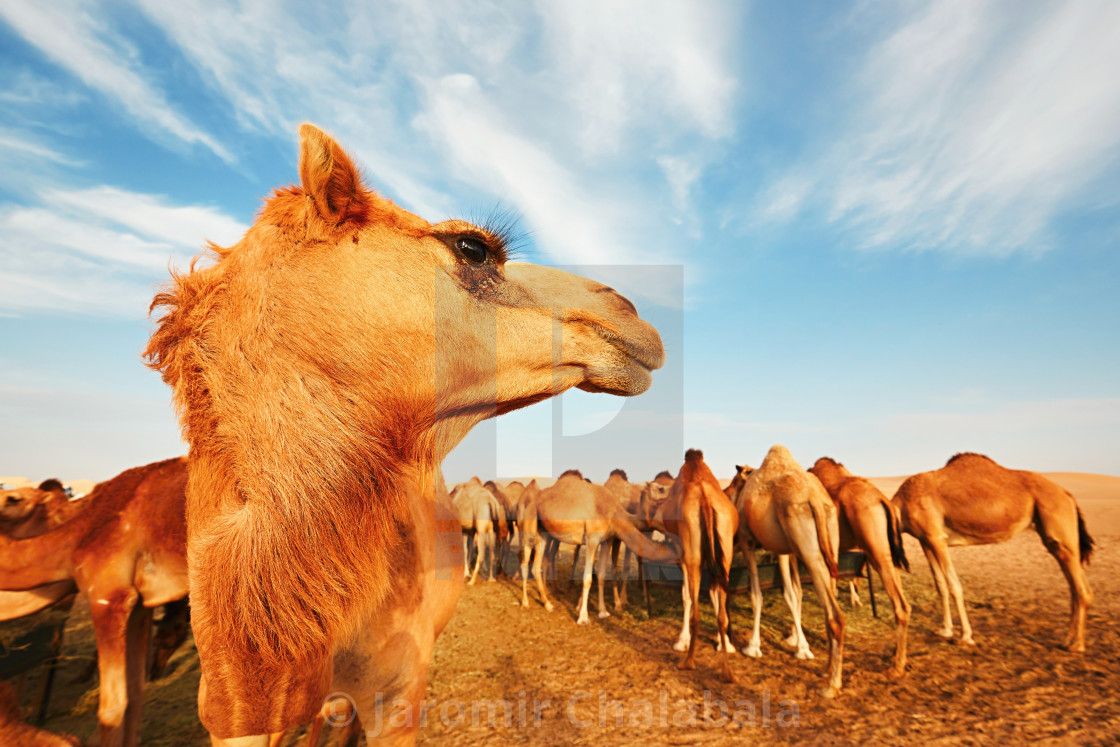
column 615, row 681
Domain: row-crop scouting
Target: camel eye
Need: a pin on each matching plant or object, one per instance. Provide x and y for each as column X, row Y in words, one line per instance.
column 473, row 249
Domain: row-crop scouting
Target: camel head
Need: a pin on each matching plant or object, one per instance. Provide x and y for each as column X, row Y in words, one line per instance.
column 742, row 472
column 830, row 472
column 411, row 332
column 653, row 495
column 16, row 504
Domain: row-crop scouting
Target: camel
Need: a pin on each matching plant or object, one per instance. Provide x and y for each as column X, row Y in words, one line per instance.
column 786, row 510
column 629, row 496
column 30, row 511
column 126, row 552
column 507, row 527
column 696, row 511
column 577, row 512
column 974, row 501
column 869, row 522
column 323, row 367
column 479, row 514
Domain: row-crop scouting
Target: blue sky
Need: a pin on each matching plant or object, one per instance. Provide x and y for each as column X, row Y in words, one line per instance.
column 882, row 231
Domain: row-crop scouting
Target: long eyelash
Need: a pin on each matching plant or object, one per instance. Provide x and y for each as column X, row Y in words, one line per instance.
column 503, row 226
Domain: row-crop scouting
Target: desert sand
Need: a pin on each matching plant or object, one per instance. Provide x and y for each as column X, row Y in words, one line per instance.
column 615, row 681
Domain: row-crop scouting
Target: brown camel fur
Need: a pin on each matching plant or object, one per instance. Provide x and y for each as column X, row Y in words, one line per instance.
column 786, row 510
column 14, row 732
column 127, row 553
column 479, row 514
column 974, row 501
column 697, row 512
column 577, row 512
column 323, row 367
column 869, row 522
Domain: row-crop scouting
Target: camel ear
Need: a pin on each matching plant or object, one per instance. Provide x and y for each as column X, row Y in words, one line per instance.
column 330, row 178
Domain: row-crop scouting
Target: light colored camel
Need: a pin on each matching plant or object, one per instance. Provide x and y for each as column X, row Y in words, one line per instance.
column 479, row 515
column 786, row 510
column 507, row 528
column 577, row 512
column 323, row 368
column 696, row 511
column 629, row 496
column 127, row 553
column 974, row 501
column 870, row 523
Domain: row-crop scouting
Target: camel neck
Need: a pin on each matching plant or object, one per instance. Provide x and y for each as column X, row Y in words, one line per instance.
column 26, row 563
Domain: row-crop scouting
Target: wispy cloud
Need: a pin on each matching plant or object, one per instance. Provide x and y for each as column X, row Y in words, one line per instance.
column 975, row 124
column 99, row 251
column 70, row 35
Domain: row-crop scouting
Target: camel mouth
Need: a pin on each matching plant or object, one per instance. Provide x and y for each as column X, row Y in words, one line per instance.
column 649, row 358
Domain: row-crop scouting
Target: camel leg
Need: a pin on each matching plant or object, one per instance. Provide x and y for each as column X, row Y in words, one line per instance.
column 793, row 594
column 616, row 545
column 575, row 562
column 684, row 640
column 719, row 601
column 892, row 582
column 800, row 530
column 491, row 544
column 692, row 584
column 138, row 634
column 524, row 550
column 477, row 558
column 538, row 560
column 723, row 641
column 754, row 647
column 1060, row 536
column 110, row 615
column 588, row 568
column 946, row 630
column 853, row 593
column 607, row 553
column 625, row 574
column 466, row 556
column 941, row 553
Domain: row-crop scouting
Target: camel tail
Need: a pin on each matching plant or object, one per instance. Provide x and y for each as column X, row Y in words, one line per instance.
column 1086, row 541
column 825, row 541
column 894, row 539
column 647, row 549
column 714, row 556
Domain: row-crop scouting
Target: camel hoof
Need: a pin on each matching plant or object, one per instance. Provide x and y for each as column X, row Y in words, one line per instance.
column 966, row 642
column 548, row 606
column 896, row 673
column 804, row 655
column 728, row 677
column 490, row 580
column 719, row 648
column 755, row 652
column 604, row 614
column 830, row 692
column 1074, row 648
column 687, row 665
column 583, row 621
column 524, row 604
column 681, row 645
column 946, row 634
column 471, row 582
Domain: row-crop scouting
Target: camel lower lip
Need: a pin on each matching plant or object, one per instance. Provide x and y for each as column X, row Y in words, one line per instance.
column 633, row 352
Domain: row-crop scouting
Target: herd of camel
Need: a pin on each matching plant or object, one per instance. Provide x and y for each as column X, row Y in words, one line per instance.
column 322, row 369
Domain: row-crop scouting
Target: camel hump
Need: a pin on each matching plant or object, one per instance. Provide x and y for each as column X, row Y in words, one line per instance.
column 968, row 456
column 51, row 485
column 620, row 472
column 571, row 473
column 693, row 455
column 663, row 474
